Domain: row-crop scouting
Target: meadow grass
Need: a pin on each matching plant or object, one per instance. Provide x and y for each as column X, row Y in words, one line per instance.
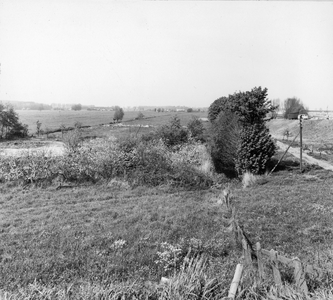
column 110, row 234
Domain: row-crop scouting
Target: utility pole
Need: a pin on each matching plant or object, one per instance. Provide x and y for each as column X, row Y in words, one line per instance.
column 300, row 137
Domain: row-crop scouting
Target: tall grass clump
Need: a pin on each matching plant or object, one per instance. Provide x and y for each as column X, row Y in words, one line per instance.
column 249, row 179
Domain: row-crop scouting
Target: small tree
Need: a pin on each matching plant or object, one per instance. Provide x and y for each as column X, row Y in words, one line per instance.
column 173, row 133
column 62, row 128
column 118, row 114
column 72, row 139
column 9, row 123
column 140, row 116
column 196, row 128
column 38, row 125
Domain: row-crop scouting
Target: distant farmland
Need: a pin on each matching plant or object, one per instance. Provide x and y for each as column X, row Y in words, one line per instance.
column 53, row 119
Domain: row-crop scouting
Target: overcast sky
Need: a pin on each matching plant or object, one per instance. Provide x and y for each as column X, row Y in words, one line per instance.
column 164, row 53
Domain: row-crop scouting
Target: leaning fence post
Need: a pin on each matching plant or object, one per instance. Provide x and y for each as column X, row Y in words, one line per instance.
column 246, row 252
column 300, row 276
column 235, row 281
column 260, row 262
column 274, row 262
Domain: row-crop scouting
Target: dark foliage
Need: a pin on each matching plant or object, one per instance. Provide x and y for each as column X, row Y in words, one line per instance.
column 216, row 107
column 246, row 111
column 255, row 149
column 223, row 142
column 196, row 129
column 10, row 127
column 118, row 114
column 252, row 106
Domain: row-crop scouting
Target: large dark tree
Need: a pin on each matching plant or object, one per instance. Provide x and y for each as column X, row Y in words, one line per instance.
column 251, row 109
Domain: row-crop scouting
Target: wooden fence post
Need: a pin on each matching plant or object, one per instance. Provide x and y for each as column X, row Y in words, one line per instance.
column 300, row 276
column 246, row 252
column 260, row 262
column 235, row 281
column 274, row 262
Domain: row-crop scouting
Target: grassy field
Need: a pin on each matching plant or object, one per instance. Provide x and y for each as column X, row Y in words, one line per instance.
column 53, row 119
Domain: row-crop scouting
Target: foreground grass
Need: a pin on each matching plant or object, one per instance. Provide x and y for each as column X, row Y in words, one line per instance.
column 106, row 237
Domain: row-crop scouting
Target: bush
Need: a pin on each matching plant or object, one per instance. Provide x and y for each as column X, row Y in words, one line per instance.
column 196, row 129
column 255, row 150
column 173, row 133
column 72, row 139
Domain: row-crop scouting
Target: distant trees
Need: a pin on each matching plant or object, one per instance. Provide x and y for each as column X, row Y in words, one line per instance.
column 118, row 114
column 293, row 106
column 77, row 107
column 9, row 123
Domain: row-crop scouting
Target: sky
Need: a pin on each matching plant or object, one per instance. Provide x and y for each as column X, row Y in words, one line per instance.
column 160, row 53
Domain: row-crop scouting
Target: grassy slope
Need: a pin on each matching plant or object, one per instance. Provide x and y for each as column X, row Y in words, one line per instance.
column 67, row 236
column 314, row 131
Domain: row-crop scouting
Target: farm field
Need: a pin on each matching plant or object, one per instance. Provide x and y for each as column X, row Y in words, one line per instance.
column 53, row 119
